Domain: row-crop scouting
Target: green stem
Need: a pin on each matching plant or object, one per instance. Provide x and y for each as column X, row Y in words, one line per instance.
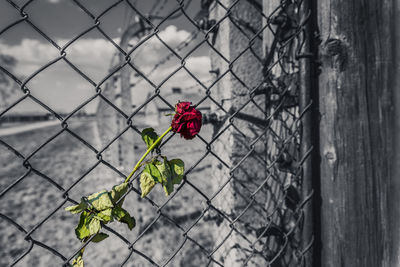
column 147, row 152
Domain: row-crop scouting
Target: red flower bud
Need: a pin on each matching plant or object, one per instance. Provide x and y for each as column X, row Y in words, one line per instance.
column 187, row 120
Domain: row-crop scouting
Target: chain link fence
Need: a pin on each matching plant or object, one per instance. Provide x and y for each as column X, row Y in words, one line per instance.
column 245, row 197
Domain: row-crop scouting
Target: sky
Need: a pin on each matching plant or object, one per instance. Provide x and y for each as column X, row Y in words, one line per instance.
column 59, row 85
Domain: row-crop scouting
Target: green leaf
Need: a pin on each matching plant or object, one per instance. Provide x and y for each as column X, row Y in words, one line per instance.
column 77, row 208
column 100, row 200
column 81, row 230
column 151, row 169
column 166, row 176
column 149, row 136
column 104, row 215
column 123, row 216
column 93, row 226
column 177, row 169
column 99, row 237
column 117, row 192
column 146, row 183
column 78, row 262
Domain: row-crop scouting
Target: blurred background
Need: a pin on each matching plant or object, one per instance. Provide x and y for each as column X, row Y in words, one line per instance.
column 28, row 125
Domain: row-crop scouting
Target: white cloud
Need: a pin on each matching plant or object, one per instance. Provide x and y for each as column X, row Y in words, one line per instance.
column 32, row 54
column 30, row 51
column 54, row 1
column 93, row 53
column 84, row 86
column 199, row 65
column 153, row 50
column 93, row 57
column 172, row 36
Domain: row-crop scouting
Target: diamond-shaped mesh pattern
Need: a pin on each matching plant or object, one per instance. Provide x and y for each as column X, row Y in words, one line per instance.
column 242, row 201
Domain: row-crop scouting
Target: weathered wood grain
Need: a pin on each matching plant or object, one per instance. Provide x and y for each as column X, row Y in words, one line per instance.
column 356, row 143
column 393, row 201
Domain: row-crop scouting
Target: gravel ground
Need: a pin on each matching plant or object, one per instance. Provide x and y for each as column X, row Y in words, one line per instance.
column 65, row 160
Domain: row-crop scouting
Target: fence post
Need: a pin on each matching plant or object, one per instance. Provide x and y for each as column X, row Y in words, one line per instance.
column 126, row 141
column 307, row 84
column 106, row 121
column 232, row 145
column 394, row 199
column 356, row 89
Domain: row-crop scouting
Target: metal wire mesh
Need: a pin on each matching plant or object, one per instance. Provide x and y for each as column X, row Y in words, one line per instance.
column 242, row 201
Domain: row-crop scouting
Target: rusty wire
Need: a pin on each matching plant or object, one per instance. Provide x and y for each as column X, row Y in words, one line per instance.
column 276, row 242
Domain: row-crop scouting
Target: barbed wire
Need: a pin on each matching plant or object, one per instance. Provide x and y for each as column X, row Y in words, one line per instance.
column 182, row 45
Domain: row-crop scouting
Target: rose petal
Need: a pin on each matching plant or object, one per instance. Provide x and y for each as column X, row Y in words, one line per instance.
column 182, row 107
column 187, row 121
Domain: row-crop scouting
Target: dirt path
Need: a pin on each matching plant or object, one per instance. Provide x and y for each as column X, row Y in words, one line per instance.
column 64, row 160
column 26, row 128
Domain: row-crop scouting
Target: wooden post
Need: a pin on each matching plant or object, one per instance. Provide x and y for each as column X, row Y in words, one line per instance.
column 393, row 197
column 356, row 144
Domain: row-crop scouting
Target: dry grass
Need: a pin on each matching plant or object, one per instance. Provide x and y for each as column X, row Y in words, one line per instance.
column 65, row 160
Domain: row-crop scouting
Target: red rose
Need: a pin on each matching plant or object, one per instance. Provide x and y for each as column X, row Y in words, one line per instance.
column 187, row 120
column 182, row 107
